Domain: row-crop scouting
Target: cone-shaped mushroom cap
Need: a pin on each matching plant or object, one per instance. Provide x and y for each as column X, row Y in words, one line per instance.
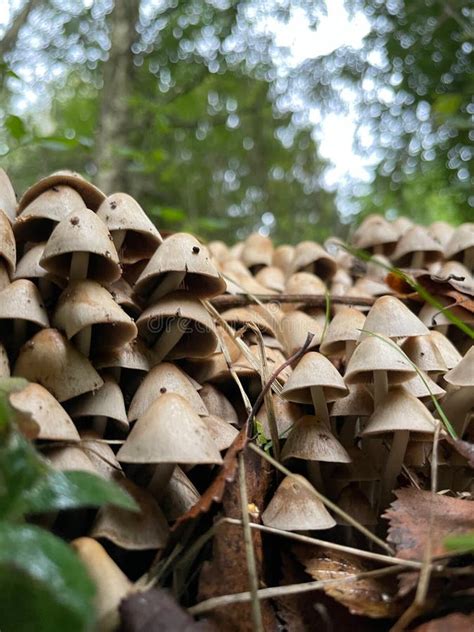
column 257, row 251
column 272, row 278
column 221, row 431
column 91, row 195
column 39, row 218
column 463, row 373
column 199, row 338
column 286, row 415
column 134, row 355
column 311, row 440
column 375, row 231
column 304, row 283
column 355, row 503
column 400, row 411
column 21, row 300
column 423, row 387
column 282, row 257
column 448, row 351
column 53, row 421
column 82, row 231
column 461, row 240
column 219, row 250
column 123, row 295
column 111, row 584
column 7, row 243
column 309, row 253
column 121, row 212
column 417, row 239
column 7, row 196
column 376, row 354
column 390, row 317
column 70, row 458
column 87, row 304
column 101, row 455
column 358, row 402
column 239, row 317
column 294, row 508
column 4, row 364
column 182, row 253
column 180, row 495
column 217, row 404
column 29, row 266
column 295, row 328
column 107, row 401
column 169, row 432
column 314, row 370
column 402, row 224
column 49, row 359
column 423, row 352
column 133, row 530
column 4, row 275
column 441, row 232
column 164, row 378
column 345, row 326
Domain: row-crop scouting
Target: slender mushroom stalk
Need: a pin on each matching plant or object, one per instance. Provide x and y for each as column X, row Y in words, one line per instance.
column 320, row 404
column 393, row 465
column 160, row 479
column 418, row 259
column 171, row 282
column 380, row 386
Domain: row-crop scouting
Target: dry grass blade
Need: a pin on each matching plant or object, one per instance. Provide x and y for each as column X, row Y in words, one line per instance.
column 226, row 301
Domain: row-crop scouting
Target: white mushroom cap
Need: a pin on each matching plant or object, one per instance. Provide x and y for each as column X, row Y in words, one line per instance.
column 390, row 317
column 376, row 354
column 311, row 254
column 314, row 370
column 345, row 326
column 91, row 195
column 463, row 373
column 21, row 300
column 311, row 439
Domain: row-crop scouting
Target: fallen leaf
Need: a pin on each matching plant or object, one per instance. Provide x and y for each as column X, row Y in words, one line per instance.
column 409, row 517
column 455, row 622
column 373, row 597
column 156, row 609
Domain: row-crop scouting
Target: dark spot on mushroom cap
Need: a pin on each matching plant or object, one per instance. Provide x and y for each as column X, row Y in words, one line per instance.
column 74, row 221
column 113, row 204
column 196, row 250
column 163, row 389
column 55, row 189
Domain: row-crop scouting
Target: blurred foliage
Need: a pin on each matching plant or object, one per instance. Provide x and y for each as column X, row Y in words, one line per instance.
column 219, row 139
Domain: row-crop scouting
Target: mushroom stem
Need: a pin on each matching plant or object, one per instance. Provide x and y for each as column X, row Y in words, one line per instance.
column 170, row 282
column 160, row 479
column 394, row 464
column 118, row 237
column 174, row 331
column 320, row 404
column 417, row 259
column 83, row 341
column 380, row 387
column 19, row 331
column 99, row 424
column 457, row 405
column 314, row 475
column 79, row 265
column 350, row 347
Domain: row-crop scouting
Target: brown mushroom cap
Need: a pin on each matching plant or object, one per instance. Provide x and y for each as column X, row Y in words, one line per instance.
column 169, row 432
column 124, row 296
column 82, row 231
column 21, row 301
column 133, row 530
column 107, row 401
column 294, row 508
column 199, row 338
column 282, row 257
column 53, row 421
column 311, row 440
column 344, row 327
column 71, row 458
column 375, row 231
column 133, row 355
column 294, row 330
column 222, row 432
column 304, row 283
column 257, row 251
column 7, row 243
column 91, row 195
column 29, row 266
column 239, row 317
column 164, row 378
column 400, row 411
column 218, row 250
column 87, row 304
column 180, row 495
column 461, row 240
column 391, row 318
column 272, row 278
column 358, row 402
column 101, row 455
column 314, row 370
column 184, row 254
column 7, row 196
column 309, row 254
column 417, row 239
column 217, row 404
column 463, row 373
column 49, row 359
column 423, row 352
column 375, row 354
column 37, row 221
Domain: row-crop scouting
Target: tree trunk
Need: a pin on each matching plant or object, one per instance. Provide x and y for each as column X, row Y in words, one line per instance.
column 117, row 85
column 8, row 42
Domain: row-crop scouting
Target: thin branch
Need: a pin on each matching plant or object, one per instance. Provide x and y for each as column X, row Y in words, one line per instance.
column 226, row 301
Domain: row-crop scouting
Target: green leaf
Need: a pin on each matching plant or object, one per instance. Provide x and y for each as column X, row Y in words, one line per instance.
column 68, row 490
column 43, row 585
column 15, row 126
column 462, row 542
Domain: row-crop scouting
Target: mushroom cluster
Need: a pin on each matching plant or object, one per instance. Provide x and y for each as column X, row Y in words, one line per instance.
column 136, row 347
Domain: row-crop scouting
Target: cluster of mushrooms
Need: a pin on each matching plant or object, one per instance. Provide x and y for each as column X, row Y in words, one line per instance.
column 135, row 366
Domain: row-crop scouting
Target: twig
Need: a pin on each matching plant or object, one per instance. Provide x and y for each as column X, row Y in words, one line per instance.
column 226, row 301
column 368, row 534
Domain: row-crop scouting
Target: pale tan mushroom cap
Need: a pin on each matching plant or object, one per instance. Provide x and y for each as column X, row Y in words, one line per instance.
column 133, row 530
column 124, row 296
column 7, row 196
column 134, row 355
column 165, row 378
column 282, row 257
column 423, row 387
column 376, row 354
column 441, row 232
column 219, row 250
column 101, row 455
column 423, row 351
column 169, row 432
column 314, row 370
column 7, row 243
column 53, row 421
column 294, row 330
column 345, row 326
column 311, row 440
column 217, row 404
column 180, row 495
column 448, row 351
column 239, row 317
column 107, row 401
column 310, row 253
column 91, row 195
column 183, row 253
column 257, row 251
column 400, row 411
column 304, row 283
column 358, row 402
column 199, row 337
column 294, row 508
column 390, row 317
column 272, row 278
column 461, row 240
column 375, row 231
column 82, row 231
column 87, row 304
column 417, row 239
column 222, row 432
column 71, row 458
column 29, row 266
column 21, row 300
column 463, row 373
column 49, row 359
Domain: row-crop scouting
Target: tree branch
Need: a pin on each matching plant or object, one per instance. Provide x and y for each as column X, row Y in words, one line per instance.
column 8, row 41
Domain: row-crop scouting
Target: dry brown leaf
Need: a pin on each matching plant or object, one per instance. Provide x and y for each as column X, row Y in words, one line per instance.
column 455, row 622
column 371, row 597
column 409, row 517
